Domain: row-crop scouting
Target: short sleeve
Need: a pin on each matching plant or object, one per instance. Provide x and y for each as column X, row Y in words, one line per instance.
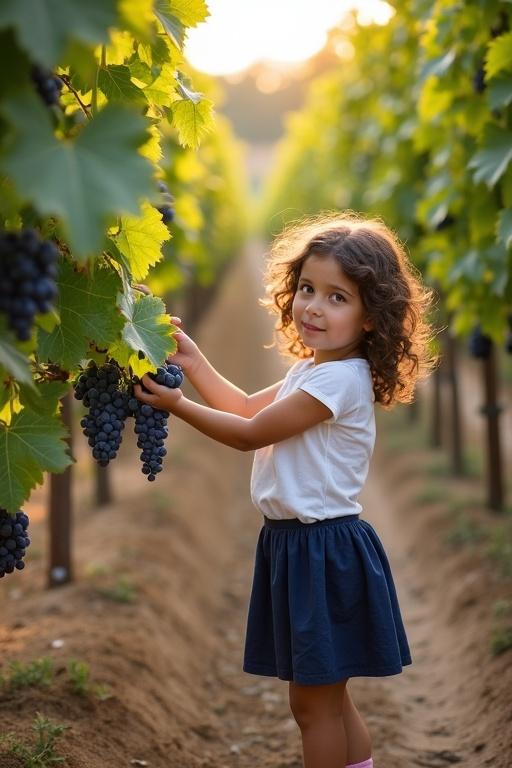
column 336, row 385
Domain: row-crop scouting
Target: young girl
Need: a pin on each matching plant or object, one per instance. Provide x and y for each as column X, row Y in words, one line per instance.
column 351, row 314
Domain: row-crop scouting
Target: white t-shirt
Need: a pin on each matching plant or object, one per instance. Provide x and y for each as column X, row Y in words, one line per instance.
column 319, row 473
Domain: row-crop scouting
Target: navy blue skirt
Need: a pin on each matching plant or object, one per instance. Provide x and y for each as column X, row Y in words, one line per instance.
column 323, row 606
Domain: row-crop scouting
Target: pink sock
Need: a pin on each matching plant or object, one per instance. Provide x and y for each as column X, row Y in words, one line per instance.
column 365, row 764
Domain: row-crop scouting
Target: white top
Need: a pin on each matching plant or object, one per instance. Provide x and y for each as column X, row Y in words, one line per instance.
column 319, row 474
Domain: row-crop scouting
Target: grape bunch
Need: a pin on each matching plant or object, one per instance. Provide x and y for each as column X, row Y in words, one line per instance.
column 151, row 423
column 508, row 339
column 27, row 279
column 166, row 209
column 479, row 344
column 99, row 389
column 47, row 85
column 13, row 541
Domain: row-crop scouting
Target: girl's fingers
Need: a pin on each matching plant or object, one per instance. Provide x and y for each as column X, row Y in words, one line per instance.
column 176, row 320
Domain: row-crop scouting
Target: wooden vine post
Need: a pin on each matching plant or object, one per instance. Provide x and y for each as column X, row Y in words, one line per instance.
column 103, row 485
column 491, row 410
column 60, row 570
column 457, row 454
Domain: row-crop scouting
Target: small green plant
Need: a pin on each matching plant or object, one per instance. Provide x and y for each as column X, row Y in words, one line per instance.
column 430, row 494
column 502, row 609
column 465, row 531
column 123, row 591
column 39, row 672
column 500, row 547
column 501, row 640
column 42, row 754
column 79, row 675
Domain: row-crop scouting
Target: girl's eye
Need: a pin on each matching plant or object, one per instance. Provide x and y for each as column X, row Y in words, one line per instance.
column 305, row 288
column 338, row 298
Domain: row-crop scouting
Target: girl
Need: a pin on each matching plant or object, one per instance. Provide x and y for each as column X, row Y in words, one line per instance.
column 351, row 314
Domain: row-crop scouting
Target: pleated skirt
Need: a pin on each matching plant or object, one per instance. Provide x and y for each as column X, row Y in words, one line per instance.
column 323, row 605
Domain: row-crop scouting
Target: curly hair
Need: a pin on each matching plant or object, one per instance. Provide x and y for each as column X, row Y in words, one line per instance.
column 398, row 346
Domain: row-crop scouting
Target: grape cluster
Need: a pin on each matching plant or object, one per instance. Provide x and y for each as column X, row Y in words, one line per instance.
column 47, row 84
column 27, row 279
column 508, row 339
column 13, row 541
column 151, row 423
column 479, row 344
column 166, row 209
column 99, row 389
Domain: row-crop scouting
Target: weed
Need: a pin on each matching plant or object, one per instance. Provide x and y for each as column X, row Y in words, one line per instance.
column 79, row 675
column 42, row 754
column 123, row 591
column 502, row 609
column 501, row 640
column 466, row 530
column 39, row 672
column 500, row 547
column 430, row 494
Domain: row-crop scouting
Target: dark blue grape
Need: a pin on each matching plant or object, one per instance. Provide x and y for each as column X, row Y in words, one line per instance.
column 47, row 85
column 99, row 389
column 151, row 423
column 13, row 541
column 479, row 344
column 27, row 284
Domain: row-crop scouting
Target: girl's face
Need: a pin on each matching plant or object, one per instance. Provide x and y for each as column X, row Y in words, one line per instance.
column 328, row 311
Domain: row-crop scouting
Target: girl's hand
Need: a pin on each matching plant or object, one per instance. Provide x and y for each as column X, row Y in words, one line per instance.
column 188, row 354
column 158, row 396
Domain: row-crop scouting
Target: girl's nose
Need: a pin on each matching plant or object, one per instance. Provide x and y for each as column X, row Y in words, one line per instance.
column 313, row 306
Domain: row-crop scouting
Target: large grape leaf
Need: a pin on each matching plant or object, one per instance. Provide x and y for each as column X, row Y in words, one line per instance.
column 189, row 12
column 116, row 83
column 491, row 162
column 148, row 329
column 192, row 120
column 83, row 181
column 44, row 397
column 32, row 444
column 499, row 55
column 140, row 241
column 44, row 27
column 14, row 362
column 87, row 304
column 505, row 227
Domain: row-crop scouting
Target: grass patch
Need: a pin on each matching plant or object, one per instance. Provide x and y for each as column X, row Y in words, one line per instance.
column 430, row 494
column 123, row 591
column 466, row 532
column 81, row 683
column 39, row 672
column 500, row 547
column 501, row 640
column 41, row 754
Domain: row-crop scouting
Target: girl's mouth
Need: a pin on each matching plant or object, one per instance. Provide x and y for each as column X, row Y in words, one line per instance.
column 309, row 327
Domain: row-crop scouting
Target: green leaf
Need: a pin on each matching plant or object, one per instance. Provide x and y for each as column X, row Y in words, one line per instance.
column 499, row 92
column 172, row 25
column 491, row 162
column 44, row 397
column 148, row 327
column 88, row 312
column 192, row 120
column 83, row 181
column 32, row 444
column 115, row 82
column 499, row 55
column 140, row 241
column 14, row 362
column 439, row 65
column 190, row 12
column 162, row 90
column 505, row 227
column 44, row 27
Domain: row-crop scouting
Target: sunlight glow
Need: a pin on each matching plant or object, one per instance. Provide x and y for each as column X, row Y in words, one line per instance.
column 240, row 33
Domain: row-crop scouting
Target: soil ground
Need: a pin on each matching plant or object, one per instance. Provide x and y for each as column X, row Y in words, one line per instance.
column 162, row 579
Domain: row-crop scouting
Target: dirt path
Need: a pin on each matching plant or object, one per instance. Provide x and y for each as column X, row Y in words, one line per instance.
column 172, row 656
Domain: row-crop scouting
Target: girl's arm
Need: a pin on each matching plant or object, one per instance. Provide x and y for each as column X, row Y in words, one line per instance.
column 216, row 391
column 278, row 421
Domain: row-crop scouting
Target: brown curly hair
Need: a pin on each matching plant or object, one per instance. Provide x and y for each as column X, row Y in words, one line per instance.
column 398, row 347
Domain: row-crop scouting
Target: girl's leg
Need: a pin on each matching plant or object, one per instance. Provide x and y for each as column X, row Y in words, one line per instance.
column 359, row 745
column 318, row 711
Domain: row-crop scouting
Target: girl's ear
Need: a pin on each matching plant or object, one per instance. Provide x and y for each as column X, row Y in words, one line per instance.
column 368, row 325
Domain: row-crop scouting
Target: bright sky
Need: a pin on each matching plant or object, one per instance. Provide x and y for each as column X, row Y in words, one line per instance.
column 241, row 32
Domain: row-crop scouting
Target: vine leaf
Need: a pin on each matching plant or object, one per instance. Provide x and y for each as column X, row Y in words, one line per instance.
column 499, row 55
column 176, row 15
column 88, row 312
column 148, row 329
column 14, row 362
column 81, row 181
column 115, row 82
column 192, row 120
column 505, row 227
column 44, row 28
column 491, row 162
column 140, row 241
column 31, row 444
column 44, row 397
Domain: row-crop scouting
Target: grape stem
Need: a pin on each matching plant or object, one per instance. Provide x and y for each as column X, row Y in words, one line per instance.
column 66, row 80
